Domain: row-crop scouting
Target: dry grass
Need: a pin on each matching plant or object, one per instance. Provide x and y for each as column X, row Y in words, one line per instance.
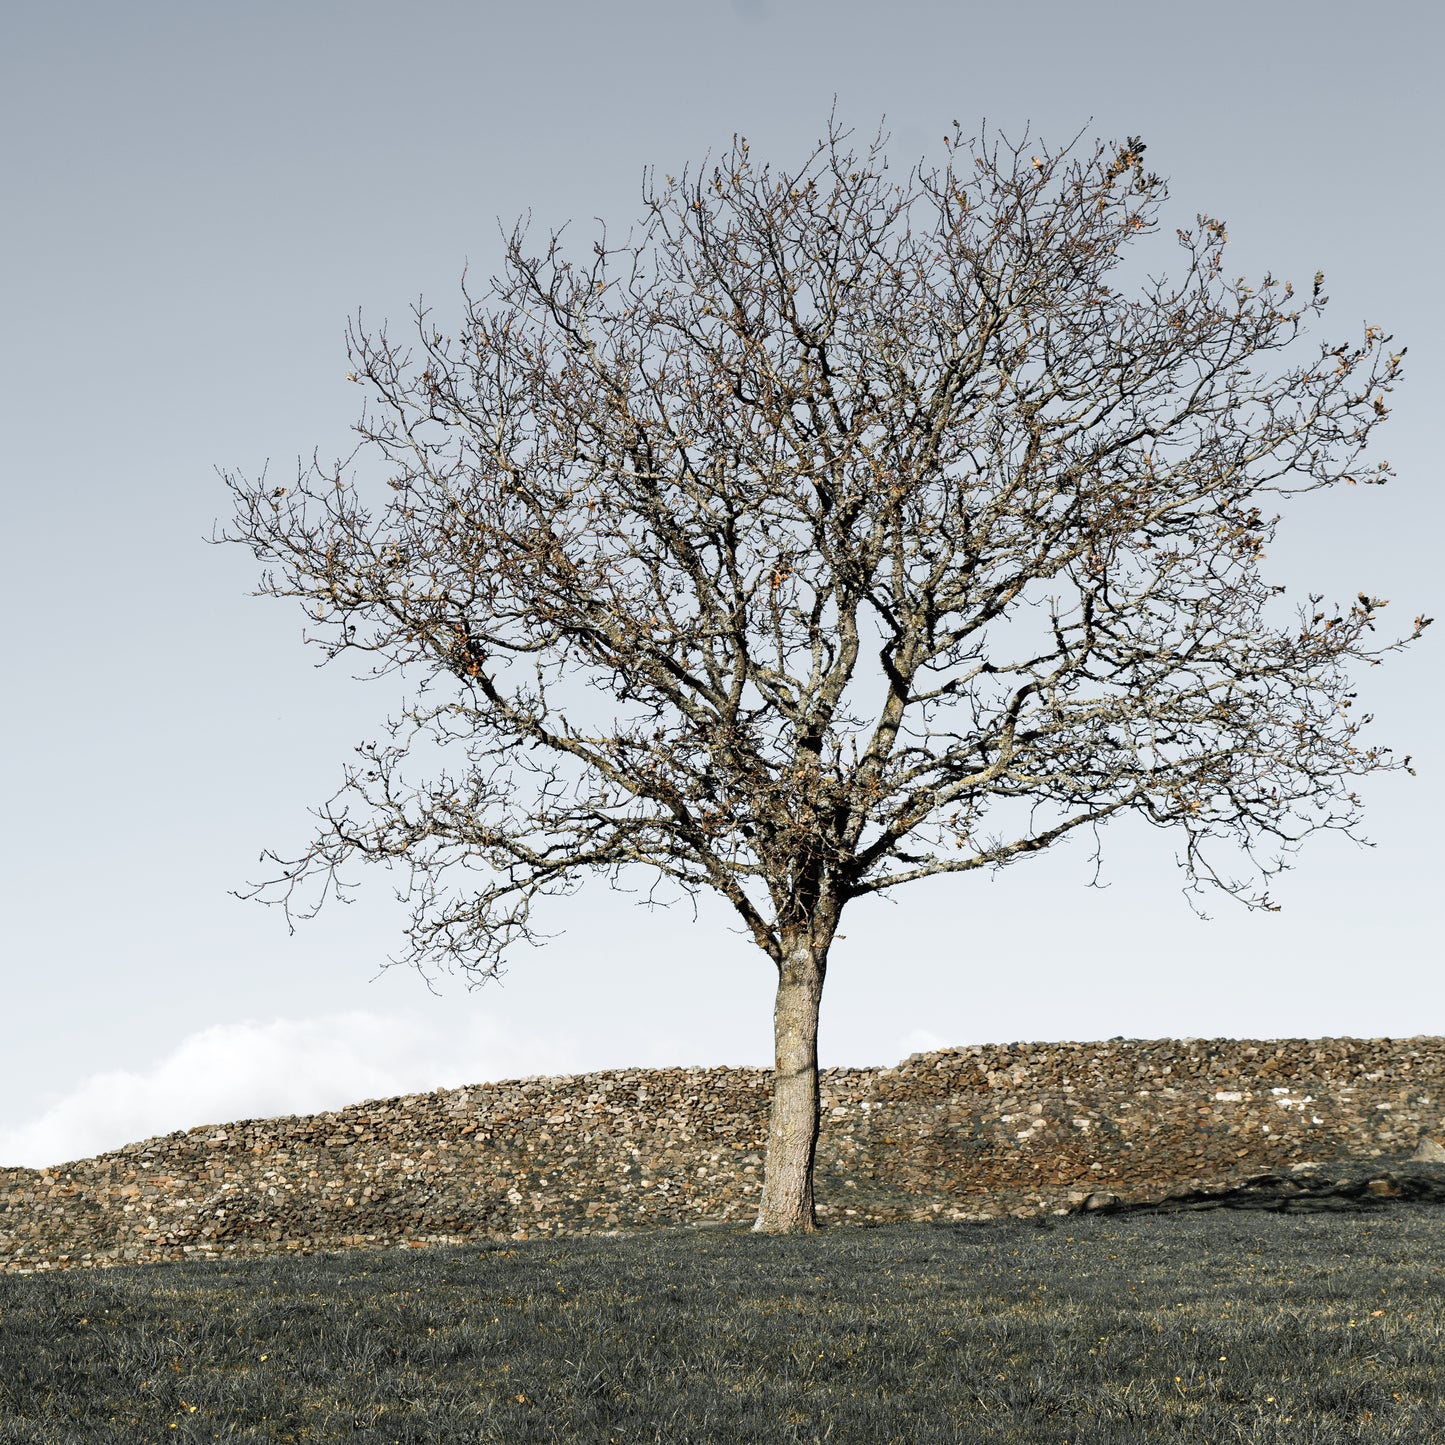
column 1208, row 1327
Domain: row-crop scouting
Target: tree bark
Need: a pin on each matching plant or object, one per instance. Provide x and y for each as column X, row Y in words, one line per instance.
column 787, row 1202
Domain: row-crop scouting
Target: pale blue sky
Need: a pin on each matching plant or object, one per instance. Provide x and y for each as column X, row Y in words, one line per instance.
column 196, row 196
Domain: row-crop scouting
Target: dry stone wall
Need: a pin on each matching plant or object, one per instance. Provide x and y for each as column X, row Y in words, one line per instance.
column 961, row 1134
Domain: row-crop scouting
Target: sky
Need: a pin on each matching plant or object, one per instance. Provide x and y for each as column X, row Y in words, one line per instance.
column 197, row 196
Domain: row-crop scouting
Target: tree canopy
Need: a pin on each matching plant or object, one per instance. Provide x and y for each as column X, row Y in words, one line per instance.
column 835, row 529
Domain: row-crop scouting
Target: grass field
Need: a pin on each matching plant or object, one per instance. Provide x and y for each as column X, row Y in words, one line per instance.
column 1215, row 1327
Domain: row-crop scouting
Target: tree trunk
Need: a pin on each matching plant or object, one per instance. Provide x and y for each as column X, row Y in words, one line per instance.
column 787, row 1202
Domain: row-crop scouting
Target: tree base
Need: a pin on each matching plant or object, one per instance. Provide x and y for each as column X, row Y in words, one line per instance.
column 780, row 1226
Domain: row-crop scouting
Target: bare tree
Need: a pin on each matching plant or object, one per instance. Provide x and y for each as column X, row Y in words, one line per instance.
column 830, row 532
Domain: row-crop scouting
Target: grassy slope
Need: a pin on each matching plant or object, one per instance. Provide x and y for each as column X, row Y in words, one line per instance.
column 1210, row 1327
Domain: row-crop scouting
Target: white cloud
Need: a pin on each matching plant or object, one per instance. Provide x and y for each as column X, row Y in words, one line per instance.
column 917, row 1041
column 288, row 1066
